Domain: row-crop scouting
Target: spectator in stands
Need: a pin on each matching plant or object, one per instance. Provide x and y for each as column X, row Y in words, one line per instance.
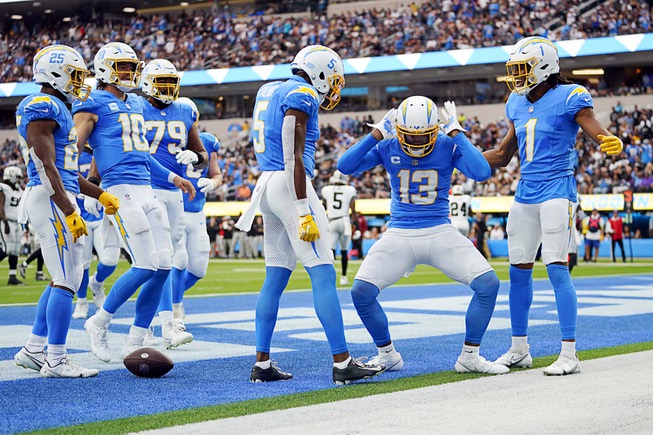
column 615, row 230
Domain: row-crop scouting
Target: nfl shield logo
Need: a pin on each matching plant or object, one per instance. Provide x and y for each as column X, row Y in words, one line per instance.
column 415, row 162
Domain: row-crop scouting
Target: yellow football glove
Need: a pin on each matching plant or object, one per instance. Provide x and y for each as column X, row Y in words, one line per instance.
column 76, row 225
column 610, row 145
column 111, row 203
column 308, row 231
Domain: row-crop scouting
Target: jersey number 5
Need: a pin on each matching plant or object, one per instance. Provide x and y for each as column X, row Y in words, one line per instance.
column 427, row 190
column 258, row 128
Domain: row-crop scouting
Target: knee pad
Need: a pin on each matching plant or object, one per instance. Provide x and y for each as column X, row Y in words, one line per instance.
column 363, row 293
column 109, row 256
column 198, row 266
column 164, row 259
column 180, row 259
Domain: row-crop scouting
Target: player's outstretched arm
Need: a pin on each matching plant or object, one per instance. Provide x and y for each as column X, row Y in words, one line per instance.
column 109, row 201
column 468, row 160
column 40, row 139
column 361, row 156
column 500, row 157
column 610, row 144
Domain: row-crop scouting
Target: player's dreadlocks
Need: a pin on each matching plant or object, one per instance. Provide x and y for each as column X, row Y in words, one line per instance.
column 558, row 79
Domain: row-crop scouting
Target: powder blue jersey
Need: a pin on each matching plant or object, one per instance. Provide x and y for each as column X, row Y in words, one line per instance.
column 42, row 106
column 167, row 133
column 272, row 101
column 420, row 186
column 546, row 133
column 85, row 159
column 212, row 145
column 121, row 150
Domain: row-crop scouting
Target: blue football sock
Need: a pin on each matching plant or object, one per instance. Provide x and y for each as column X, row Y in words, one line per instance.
column 83, row 287
column 190, row 280
column 327, row 305
column 479, row 313
column 165, row 301
column 364, row 295
column 103, row 272
column 59, row 313
column 150, row 297
column 566, row 300
column 177, row 279
column 40, row 326
column 125, row 287
column 267, row 305
column 520, row 299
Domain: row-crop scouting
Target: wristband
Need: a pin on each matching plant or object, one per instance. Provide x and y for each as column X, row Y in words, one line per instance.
column 200, row 158
column 94, row 180
column 171, row 177
column 302, row 207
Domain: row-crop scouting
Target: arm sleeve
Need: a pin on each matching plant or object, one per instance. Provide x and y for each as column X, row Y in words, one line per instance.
column 360, row 157
column 158, row 172
column 469, row 160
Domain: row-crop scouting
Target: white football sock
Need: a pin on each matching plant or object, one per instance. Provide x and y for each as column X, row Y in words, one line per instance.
column 342, row 365
column 519, row 342
column 263, row 364
column 36, row 343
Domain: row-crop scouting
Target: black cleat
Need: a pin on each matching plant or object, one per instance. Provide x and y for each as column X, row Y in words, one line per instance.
column 355, row 371
column 14, row 281
column 271, row 374
column 40, row 276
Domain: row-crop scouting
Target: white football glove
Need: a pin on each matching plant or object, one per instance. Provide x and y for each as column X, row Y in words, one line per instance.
column 450, row 116
column 92, row 206
column 388, row 125
column 206, row 185
column 187, row 157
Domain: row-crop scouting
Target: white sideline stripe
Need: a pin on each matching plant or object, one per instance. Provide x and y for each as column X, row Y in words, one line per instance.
column 610, row 395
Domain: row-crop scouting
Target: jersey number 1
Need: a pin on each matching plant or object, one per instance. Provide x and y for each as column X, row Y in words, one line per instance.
column 530, row 138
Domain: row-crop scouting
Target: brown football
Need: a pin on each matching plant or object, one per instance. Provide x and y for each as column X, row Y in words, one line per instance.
column 148, row 362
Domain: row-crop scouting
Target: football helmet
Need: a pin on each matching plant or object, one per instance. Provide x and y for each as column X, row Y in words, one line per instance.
column 532, row 61
column 13, row 174
column 339, row 178
column 160, row 80
column 62, row 68
column 417, row 126
column 107, row 61
column 325, row 70
column 457, row 189
column 187, row 101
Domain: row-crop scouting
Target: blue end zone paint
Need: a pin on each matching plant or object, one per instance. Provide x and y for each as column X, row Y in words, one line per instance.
column 37, row 403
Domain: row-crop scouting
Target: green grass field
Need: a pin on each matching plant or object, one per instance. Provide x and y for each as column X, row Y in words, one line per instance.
column 246, row 276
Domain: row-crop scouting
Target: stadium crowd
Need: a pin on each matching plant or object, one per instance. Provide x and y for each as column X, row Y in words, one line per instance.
column 216, row 39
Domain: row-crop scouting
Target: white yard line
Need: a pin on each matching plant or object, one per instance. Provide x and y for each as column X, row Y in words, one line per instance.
column 611, row 395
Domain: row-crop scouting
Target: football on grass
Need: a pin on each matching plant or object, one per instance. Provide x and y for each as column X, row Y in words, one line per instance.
column 148, row 362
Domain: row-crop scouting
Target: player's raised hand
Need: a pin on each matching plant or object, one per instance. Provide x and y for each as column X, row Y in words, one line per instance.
column 450, row 118
column 187, row 157
column 76, row 225
column 206, row 185
column 92, row 206
column 610, row 145
column 308, row 230
column 111, row 203
column 388, row 125
column 185, row 186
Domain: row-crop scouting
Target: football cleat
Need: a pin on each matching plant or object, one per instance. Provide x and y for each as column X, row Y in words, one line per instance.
column 355, row 371
column 344, row 280
column 22, row 269
column 564, row 365
column 131, row 344
column 14, row 281
column 174, row 334
column 516, row 358
column 40, row 276
column 99, row 339
column 150, row 340
column 474, row 363
column 67, row 369
column 271, row 374
column 81, row 309
column 98, row 291
column 391, row 363
column 30, row 360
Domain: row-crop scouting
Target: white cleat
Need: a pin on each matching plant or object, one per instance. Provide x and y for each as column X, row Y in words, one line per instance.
column 516, row 358
column 150, row 340
column 344, row 280
column 98, row 292
column 392, row 364
column 67, row 369
column 131, row 344
column 564, row 365
column 174, row 334
column 30, row 360
column 81, row 309
column 474, row 363
column 99, row 339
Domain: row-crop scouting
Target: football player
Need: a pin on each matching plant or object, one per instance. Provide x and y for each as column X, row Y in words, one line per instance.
column 102, row 238
column 174, row 138
column 48, row 141
column 420, row 155
column 190, row 263
column 544, row 111
column 10, row 192
column 460, row 209
column 340, row 198
column 284, row 133
column 111, row 121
